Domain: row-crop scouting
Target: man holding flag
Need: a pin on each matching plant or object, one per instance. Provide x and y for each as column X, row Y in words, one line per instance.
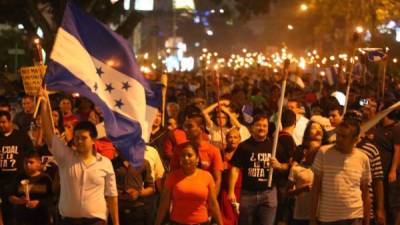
column 92, row 60
column 88, row 187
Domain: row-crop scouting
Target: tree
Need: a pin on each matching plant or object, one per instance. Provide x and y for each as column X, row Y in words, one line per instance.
column 334, row 21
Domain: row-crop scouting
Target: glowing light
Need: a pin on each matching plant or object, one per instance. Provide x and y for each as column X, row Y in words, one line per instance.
column 332, row 58
column 244, row 50
column 221, row 11
column 290, row 27
column 391, row 24
column 210, row 32
column 145, row 69
column 322, row 73
column 359, row 29
column 20, row 26
column 302, row 63
column 303, row 7
column 395, row 60
column 110, row 62
column 39, row 32
column 146, row 55
column 204, row 50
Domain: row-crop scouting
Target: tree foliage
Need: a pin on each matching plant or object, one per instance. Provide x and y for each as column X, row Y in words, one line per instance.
column 335, row 21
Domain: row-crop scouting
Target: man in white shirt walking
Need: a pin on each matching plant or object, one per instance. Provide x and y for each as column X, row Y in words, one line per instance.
column 341, row 178
column 88, row 187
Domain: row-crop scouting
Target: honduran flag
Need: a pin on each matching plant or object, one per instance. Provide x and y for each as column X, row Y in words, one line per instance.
column 90, row 59
column 374, row 54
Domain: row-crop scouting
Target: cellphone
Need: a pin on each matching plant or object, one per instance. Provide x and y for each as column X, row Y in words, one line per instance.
column 363, row 102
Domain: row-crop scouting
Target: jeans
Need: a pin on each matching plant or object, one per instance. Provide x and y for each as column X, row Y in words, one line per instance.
column 258, row 207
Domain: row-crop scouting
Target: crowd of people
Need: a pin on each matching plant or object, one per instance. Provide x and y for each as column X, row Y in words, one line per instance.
column 211, row 162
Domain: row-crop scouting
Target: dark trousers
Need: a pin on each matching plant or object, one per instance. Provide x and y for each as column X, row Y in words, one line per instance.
column 132, row 216
column 82, row 221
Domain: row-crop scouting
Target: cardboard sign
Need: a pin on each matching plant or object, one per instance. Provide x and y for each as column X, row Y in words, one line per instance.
column 32, row 78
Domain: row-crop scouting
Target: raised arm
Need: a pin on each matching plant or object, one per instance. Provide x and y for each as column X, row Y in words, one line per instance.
column 210, row 108
column 45, row 113
column 232, row 117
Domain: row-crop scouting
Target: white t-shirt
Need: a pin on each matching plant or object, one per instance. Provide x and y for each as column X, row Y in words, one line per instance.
column 301, row 176
column 342, row 176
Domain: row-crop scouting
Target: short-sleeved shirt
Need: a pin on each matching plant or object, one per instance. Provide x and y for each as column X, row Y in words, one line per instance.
column 12, row 150
column 40, row 188
column 210, row 158
column 156, row 166
column 301, row 175
column 342, row 176
column 376, row 166
column 189, row 196
column 174, row 139
column 253, row 157
column 83, row 187
column 385, row 138
column 285, row 151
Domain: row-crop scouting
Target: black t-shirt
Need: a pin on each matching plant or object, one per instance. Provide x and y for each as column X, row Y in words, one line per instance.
column 253, row 157
column 286, row 147
column 12, row 150
column 285, row 151
column 40, row 189
column 385, row 138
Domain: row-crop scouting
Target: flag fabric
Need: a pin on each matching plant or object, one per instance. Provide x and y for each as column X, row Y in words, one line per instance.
column 374, row 54
column 154, row 103
column 90, row 59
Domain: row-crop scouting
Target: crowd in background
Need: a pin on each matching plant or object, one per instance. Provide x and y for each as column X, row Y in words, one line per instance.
column 210, row 162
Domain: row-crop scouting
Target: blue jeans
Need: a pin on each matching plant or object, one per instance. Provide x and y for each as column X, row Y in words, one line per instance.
column 258, row 207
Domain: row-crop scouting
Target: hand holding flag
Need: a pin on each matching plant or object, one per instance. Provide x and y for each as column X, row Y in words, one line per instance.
column 92, row 60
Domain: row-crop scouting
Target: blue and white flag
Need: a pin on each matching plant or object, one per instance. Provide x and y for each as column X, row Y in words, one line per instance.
column 374, row 54
column 92, row 60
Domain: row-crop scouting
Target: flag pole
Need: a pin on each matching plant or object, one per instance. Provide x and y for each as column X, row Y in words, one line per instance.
column 384, row 71
column 279, row 116
column 39, row 60
column 164, row 82
column 356, row 37
column 218, row 102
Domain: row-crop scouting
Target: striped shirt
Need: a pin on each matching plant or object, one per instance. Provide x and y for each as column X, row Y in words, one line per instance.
column 341, row 177
column 376, row 166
